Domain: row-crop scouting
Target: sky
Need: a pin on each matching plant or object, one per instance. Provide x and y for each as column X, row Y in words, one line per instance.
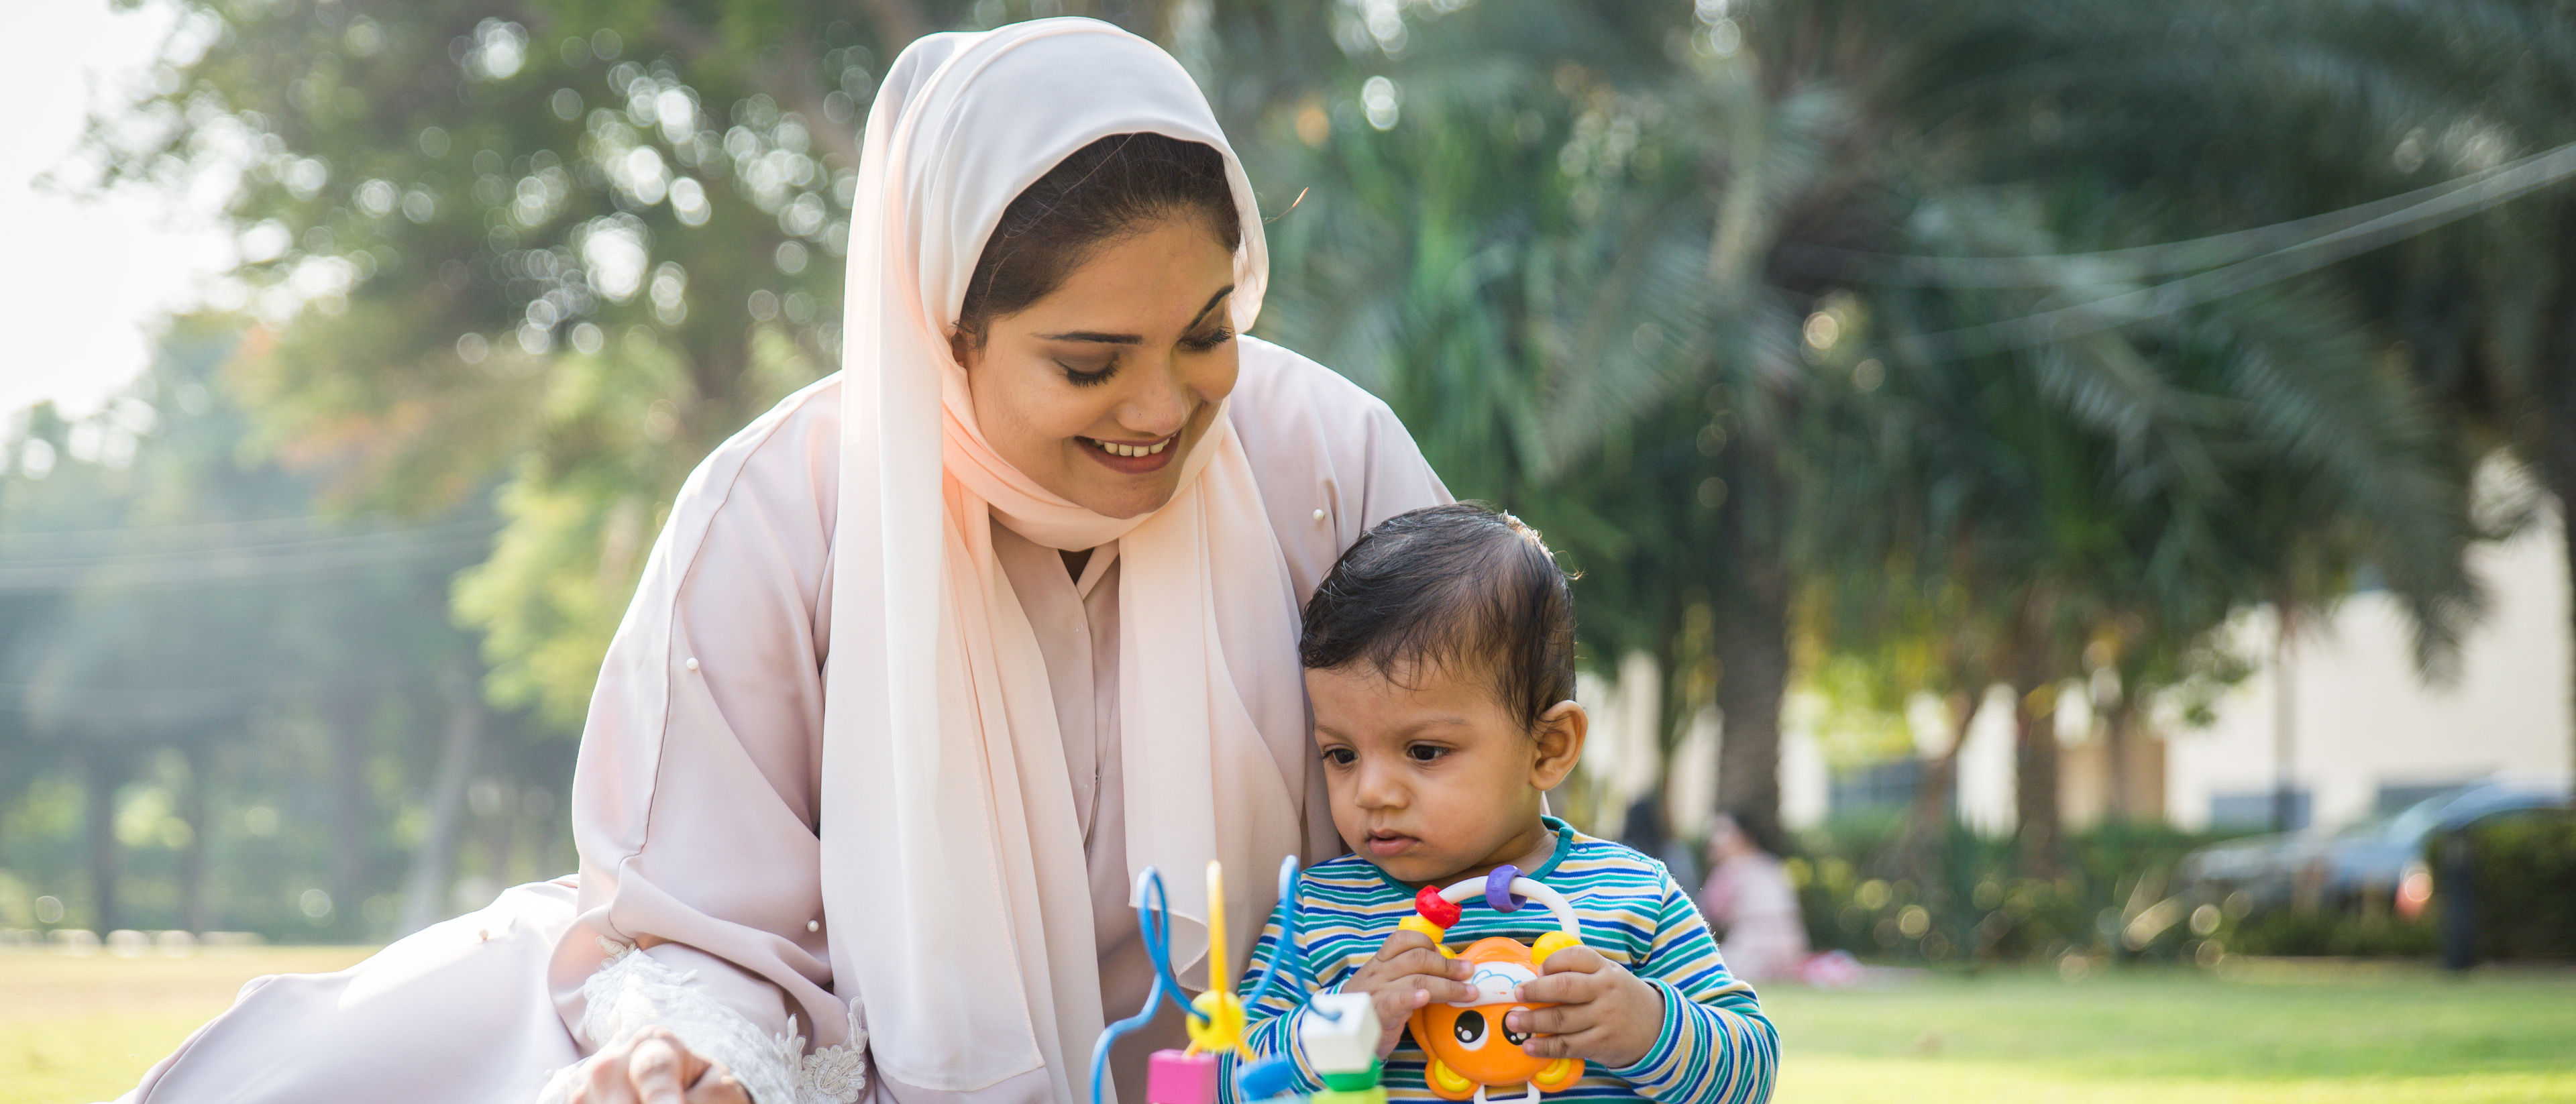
column 85, row 277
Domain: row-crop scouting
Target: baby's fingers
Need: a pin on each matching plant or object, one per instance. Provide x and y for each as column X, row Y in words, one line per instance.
column 1566, row 988
column 1545, row 1021
column 1417, row 961
column 1575, row 1045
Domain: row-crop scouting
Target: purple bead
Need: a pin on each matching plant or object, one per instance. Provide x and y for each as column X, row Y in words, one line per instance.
column 1498, row 889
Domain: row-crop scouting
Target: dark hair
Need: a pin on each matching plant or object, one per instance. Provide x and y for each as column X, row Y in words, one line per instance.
column 1763, row 833
column 1462, row 586
column 1096, row 194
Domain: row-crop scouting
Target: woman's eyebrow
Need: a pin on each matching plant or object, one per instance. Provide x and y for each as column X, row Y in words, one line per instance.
column 1213, row 300
column 1093, row 336
column 1098, row 337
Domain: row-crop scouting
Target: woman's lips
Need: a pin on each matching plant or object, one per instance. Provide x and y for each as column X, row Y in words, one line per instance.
column 1131, row 457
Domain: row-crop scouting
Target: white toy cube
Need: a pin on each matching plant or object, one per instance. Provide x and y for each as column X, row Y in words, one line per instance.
column 1340, row 1032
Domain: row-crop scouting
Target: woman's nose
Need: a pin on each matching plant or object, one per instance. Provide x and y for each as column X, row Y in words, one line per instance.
column 1158, row 405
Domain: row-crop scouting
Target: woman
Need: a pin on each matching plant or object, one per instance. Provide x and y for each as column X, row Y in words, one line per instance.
column 930, row 660
column 1748, row 898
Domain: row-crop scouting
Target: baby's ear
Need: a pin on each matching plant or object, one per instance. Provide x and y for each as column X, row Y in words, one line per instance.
column 1558, row 739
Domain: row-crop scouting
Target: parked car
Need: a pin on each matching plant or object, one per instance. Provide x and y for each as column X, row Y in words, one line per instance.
column 2382, row 857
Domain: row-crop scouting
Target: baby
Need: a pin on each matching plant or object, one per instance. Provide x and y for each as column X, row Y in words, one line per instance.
column 1439, row 657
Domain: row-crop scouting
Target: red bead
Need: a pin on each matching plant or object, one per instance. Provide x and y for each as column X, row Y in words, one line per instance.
column 1433, row 908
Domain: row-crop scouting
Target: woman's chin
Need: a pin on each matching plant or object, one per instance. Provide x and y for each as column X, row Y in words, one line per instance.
column 1120, row 496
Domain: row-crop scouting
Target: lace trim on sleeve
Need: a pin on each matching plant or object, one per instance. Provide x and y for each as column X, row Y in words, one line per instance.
column 635, row 992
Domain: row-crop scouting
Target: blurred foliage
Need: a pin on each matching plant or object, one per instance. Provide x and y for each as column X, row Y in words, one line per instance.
column 1898, row 348
column 2523, row 867
column 1862, row 888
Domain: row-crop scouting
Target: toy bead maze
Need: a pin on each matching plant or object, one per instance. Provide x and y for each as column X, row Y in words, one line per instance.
column 1470, row 1050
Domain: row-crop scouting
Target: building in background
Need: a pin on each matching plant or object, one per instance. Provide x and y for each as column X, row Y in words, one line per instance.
column 2366, row 735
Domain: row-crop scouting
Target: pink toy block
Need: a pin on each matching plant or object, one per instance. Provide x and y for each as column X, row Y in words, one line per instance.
column 1173, row 1077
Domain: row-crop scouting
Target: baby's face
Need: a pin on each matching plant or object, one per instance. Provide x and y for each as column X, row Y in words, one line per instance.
column 1430, row 775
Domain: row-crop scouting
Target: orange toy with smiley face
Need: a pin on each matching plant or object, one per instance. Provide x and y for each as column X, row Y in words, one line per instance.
column 1469, row 1047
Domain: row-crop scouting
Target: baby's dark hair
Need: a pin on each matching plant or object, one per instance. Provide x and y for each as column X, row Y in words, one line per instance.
column 1464, row 587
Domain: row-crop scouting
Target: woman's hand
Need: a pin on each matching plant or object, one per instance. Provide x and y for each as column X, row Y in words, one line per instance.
column 1408, row 973
column 1603, row 1013
column 655, row 1067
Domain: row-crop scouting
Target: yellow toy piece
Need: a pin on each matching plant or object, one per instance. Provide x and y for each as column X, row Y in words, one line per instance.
column 1558, row 1074
column 1549, row 944
column 1429, row 929
column 1222, row 1030
column 1446, row 1083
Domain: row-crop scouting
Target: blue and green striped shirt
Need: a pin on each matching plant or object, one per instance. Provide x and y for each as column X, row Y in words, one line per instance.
column 1716, row 1046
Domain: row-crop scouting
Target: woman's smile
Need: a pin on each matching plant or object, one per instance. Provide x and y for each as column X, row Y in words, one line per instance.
column 1131, row 457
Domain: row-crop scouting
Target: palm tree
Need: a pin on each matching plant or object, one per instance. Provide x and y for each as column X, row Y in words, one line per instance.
column 1641, row 259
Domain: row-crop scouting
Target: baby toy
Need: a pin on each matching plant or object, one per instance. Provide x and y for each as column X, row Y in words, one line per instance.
column 1216, row 1017
column 1470, row 1048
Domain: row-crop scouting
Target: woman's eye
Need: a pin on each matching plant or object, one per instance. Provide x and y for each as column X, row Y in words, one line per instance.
column 1088, row 377
column 1206, row 341
column 1424, row 753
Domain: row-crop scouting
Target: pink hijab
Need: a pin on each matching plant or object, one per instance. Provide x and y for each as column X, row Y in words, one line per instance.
column 954, row 878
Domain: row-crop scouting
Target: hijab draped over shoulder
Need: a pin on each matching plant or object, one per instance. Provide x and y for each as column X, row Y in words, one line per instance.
column 953, row 869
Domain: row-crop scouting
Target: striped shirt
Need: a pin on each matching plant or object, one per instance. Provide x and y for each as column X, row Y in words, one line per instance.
column 1716, row 1046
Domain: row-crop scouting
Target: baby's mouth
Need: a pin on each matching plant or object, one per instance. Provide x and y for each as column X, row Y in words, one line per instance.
column 1384, row 844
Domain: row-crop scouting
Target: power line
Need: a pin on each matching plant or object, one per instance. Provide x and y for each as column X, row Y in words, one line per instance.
column 2033, row 270
column 2173, row 296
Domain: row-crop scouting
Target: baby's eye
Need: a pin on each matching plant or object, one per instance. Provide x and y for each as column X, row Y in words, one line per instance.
column 1339, row 756
column 1424, row 753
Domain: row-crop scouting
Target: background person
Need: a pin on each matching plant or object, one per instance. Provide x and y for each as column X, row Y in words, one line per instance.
column 1749, row 899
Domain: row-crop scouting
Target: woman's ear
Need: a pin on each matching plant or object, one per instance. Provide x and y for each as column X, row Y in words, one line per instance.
column 1559, row 735
column 962, row 346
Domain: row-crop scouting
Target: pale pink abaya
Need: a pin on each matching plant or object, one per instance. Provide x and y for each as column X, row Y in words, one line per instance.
column 868, row 773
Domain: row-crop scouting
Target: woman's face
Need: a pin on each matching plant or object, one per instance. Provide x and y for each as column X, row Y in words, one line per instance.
column 1100, row 390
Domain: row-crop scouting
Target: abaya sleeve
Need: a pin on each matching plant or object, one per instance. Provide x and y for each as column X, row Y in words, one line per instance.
column 694, row 804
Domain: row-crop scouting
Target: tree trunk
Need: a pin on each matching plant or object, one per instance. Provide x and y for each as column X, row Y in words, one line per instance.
column 195, row 902
column 2556, row 385
column 2035, row 780
column 2035, row 752
column 2120, row 736
column 104, row 773
column 345, row 714
column 1935, row 788
column 425, row 889
column 1749, row 607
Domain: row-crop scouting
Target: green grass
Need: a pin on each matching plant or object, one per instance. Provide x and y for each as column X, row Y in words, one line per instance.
column 74, row 1030
column 2352, row 1035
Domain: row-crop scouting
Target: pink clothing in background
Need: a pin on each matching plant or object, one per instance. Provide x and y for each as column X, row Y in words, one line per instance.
column 1750, row 902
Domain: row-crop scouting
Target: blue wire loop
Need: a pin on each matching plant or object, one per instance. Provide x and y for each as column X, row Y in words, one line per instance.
column 1283, row 954
column 1154, row 926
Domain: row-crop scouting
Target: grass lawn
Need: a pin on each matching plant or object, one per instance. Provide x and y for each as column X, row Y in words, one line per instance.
column 2258, row 1032
column 74, row 1030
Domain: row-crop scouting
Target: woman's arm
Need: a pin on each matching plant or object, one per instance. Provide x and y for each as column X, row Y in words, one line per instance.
column 694, row 802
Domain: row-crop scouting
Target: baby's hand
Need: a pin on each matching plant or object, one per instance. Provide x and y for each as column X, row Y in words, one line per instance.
column 1603, row 1014
column 1408, row 973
